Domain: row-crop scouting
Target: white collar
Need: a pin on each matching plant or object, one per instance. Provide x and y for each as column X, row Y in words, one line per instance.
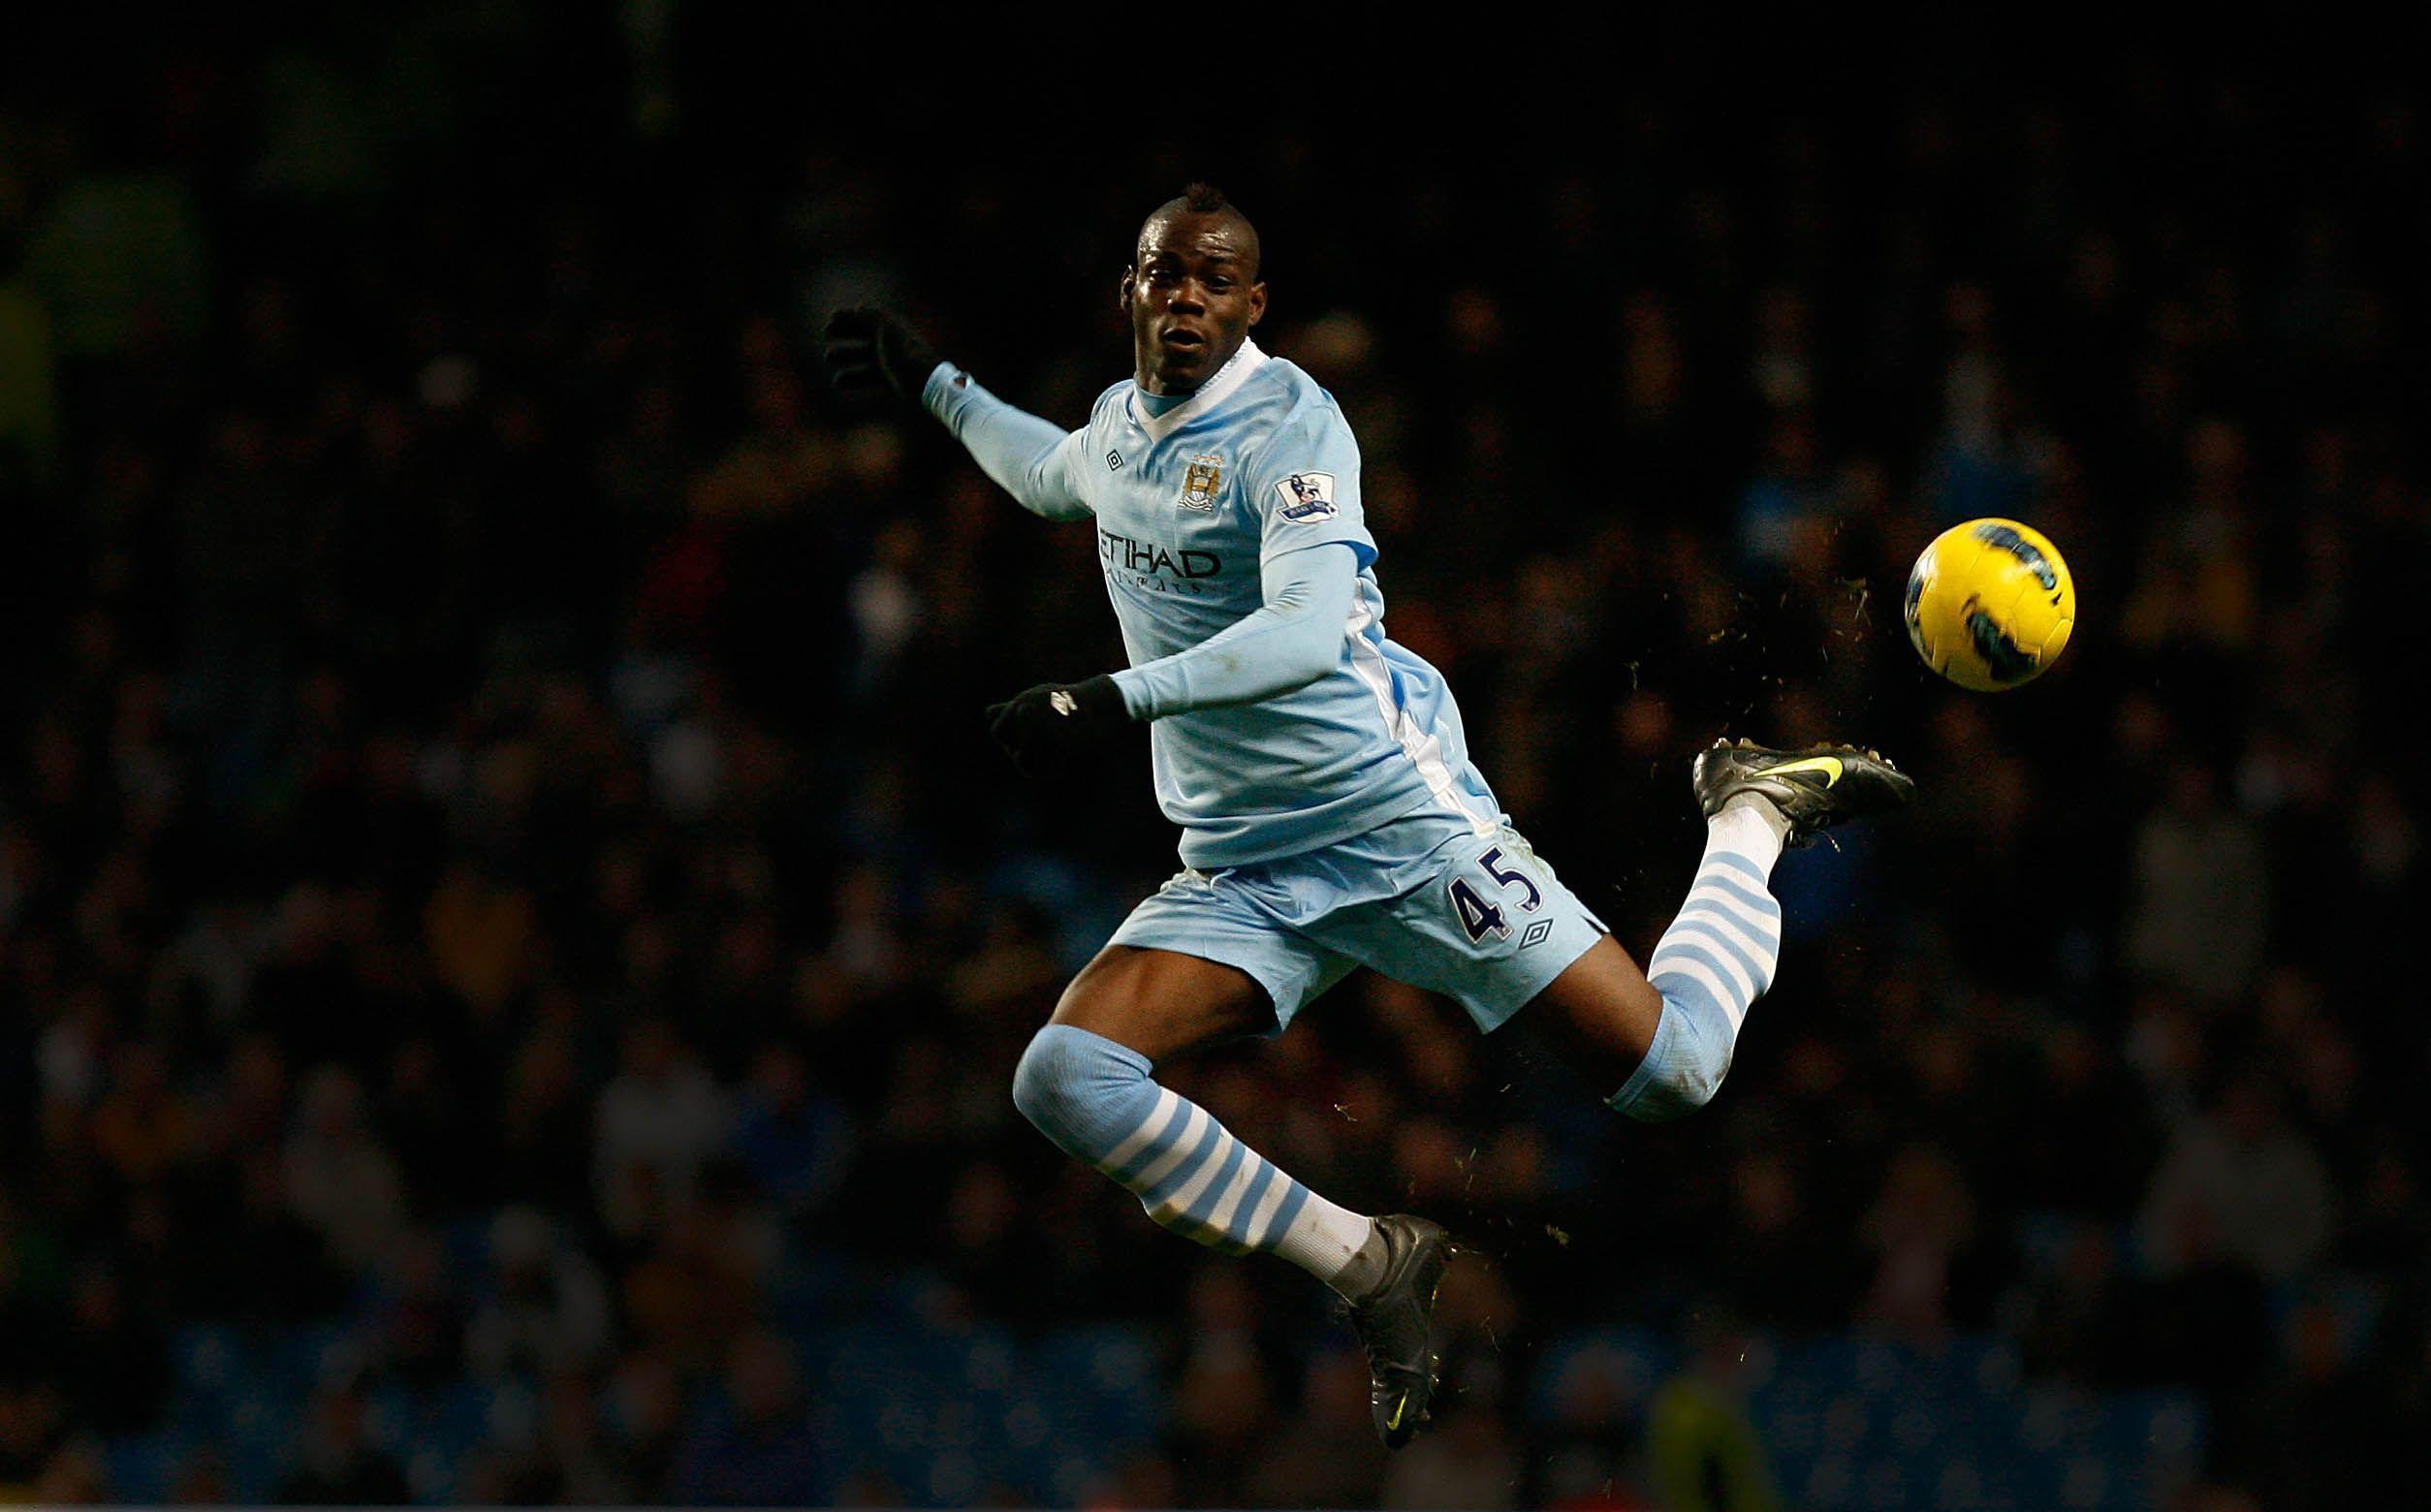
column 1231, row 376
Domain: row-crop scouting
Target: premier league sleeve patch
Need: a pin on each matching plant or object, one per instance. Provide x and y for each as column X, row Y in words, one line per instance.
column 1306, row 497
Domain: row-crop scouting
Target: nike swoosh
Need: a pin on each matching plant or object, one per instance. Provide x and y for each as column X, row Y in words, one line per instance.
column 1392, row 1424
column 1829, row 765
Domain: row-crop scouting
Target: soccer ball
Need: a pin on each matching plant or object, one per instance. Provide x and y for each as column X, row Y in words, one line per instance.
column 1990, row 604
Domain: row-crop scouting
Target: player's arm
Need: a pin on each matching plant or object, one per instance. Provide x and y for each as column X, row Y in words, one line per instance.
column 873, row 354
column 1033, row 460
column 1289, row 640
column 1292, row 639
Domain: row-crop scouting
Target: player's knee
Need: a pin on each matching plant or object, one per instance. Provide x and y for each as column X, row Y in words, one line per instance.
column 1076, row 1086
column 1683, row 1068
column 1675, row 1093
column 1681, row 1090
column 1047, row 1067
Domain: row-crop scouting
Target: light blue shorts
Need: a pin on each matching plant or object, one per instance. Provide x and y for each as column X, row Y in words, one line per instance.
column 1424, row 899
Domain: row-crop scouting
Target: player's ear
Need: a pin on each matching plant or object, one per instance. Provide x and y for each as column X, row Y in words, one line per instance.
column 1257, row 301
column 1123, row 290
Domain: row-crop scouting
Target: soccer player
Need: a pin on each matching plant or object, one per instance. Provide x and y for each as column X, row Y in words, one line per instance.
column 1330, row 814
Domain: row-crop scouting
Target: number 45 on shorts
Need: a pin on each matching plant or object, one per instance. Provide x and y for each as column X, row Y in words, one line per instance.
column 1482, row 911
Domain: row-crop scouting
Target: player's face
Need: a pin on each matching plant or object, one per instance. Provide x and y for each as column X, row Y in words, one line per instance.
column 1192, row 294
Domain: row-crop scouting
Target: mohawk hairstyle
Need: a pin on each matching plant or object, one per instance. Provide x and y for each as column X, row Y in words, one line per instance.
column 1201, row 198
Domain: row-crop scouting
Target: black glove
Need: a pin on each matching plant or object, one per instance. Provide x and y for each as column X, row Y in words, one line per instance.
column 1042, row 728
column 873, row 355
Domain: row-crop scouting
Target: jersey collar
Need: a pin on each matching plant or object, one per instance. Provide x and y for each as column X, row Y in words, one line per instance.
column 1215, row 390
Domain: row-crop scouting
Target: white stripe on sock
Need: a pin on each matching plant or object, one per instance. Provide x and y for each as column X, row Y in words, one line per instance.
column 1162, row 1166
column 1137, row 1140
column 1188, row 1191
column 1762, row 955
column 1738, row 908
column 1276, row 1192
column 1220, row 1221
column 1681, row 936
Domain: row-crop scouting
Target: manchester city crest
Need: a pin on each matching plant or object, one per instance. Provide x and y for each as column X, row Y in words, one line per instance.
column 1198, row 487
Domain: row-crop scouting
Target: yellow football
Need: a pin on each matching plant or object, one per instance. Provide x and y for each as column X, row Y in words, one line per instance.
column 1990, row 604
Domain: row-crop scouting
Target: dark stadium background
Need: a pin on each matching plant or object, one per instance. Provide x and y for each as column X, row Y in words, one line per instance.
column 513, row 944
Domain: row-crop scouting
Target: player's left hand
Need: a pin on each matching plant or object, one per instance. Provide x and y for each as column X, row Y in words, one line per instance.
column 874, row 355
column 1042, row 728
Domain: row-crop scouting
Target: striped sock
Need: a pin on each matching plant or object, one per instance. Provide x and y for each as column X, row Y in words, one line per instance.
column 1709, row 966
column 1096, row 1099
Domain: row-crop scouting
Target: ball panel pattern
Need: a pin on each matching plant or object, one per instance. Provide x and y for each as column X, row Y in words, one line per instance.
column 1989, row 604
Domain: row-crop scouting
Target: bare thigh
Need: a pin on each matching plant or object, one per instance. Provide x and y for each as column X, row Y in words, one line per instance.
column 1600, row 1014
column 1163, row 1003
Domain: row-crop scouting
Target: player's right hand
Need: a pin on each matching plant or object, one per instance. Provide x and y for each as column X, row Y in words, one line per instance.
column 874, row 355
column 1045, row 727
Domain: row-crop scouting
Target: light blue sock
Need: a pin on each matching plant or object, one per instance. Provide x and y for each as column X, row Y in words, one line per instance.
column 1709, row 966
column 1096, row 1099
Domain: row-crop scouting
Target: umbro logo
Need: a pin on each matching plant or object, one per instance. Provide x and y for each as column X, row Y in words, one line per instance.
column 1114, row 462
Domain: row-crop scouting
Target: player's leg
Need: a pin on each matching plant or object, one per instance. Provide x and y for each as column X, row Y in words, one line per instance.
column 1088, row 1082
column 1163, row 1003
column 1666, row 1036
column 1600, row 1014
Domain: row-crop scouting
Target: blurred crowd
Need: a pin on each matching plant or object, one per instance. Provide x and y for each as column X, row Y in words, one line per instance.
column 499, row 853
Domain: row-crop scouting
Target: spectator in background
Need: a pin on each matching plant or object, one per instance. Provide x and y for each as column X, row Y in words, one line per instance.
column 2324, row 1447
column 644, row 1410
column 748, row 1450
column 339, row 1467
column 340, row 1182
column 1922, row 1231
column 422, row 1322
column 142, row 1126
column 118, row 260
column 1325, row 1454
column 1705, row 1455
column 2240, row 1179
column 1780, row 511
column 29, row 403
column 794, row 1141
column 1596, row 1457
column 2199, row 915
column 1223, row 1404
column 1467, row 1461
column 1980, row 465
column 547, row 1308
column 118, row 1367
column 479, row 930
column 2083, row 1320
column 249, row 1254
column 660, row 1118
column 546, row 1124
column 573, row 1447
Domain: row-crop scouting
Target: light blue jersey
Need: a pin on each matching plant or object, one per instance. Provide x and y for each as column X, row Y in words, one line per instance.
column 1194, row 510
